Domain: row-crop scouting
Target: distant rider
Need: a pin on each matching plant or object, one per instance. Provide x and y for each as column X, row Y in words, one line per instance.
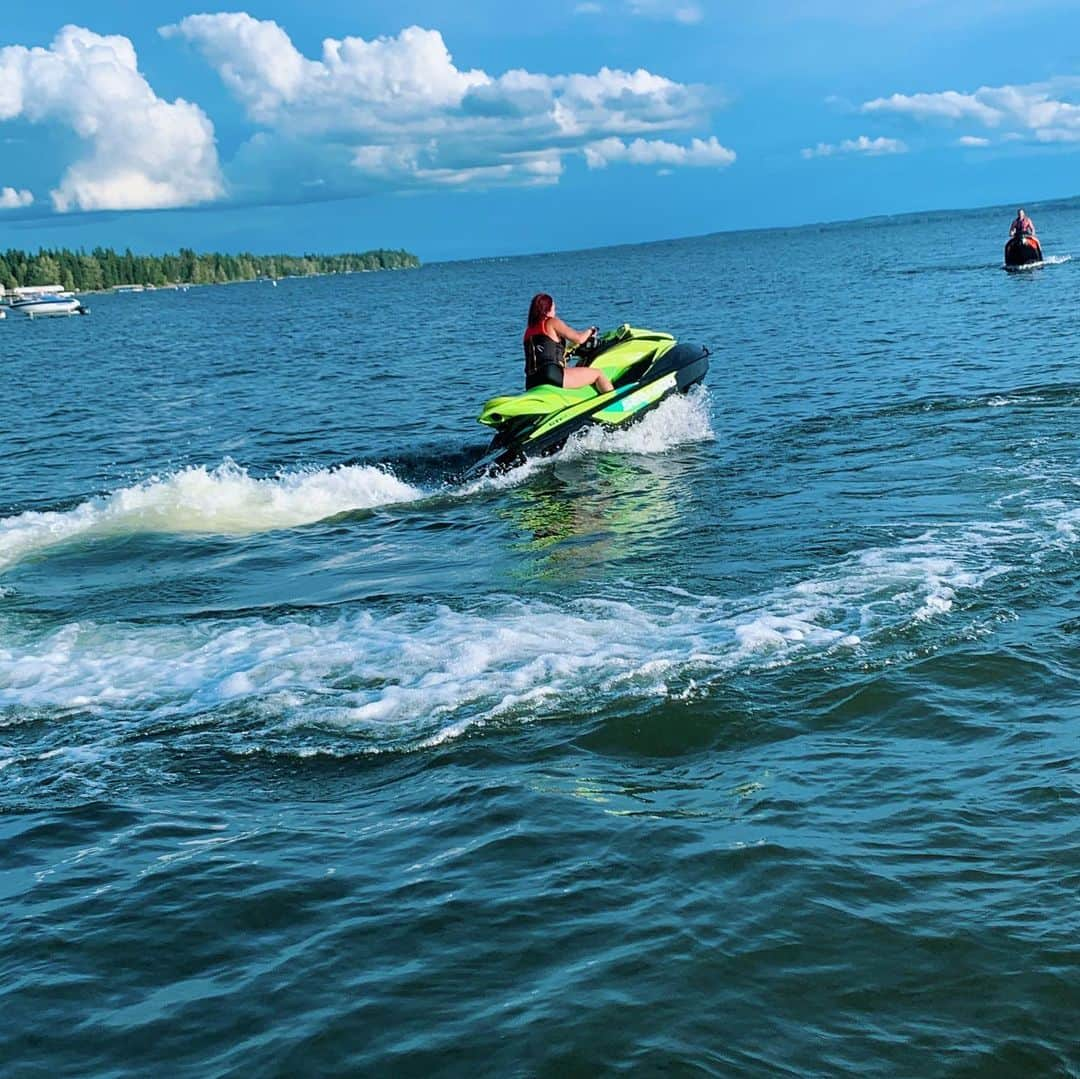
column 1022, row 226
column 545, row 350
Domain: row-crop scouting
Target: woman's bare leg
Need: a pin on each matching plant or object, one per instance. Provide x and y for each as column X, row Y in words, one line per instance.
column 574, row 377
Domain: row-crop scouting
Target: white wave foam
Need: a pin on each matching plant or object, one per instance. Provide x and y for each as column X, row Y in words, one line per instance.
column 1003, row 400
column 427, row 674
column 228, row 500
column 225, row 499
column 1049, row 260
column 510, row 478
column 678, row 421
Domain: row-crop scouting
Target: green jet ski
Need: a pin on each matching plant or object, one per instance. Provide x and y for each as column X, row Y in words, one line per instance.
column 644, row 366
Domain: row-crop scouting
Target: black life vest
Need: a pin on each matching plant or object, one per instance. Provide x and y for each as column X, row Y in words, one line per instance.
column 540, row 350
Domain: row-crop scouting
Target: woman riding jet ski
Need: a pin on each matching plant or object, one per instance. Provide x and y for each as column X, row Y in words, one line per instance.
column 642, row 367
column 1023, row 247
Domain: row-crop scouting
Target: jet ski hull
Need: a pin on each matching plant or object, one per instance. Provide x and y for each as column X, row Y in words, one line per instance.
column 1023, row 251
column 645, row 367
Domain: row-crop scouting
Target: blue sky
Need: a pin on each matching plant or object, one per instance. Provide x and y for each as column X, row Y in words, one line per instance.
column 484, row 128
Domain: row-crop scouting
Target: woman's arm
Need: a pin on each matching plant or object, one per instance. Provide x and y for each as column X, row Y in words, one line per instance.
column 568, row 333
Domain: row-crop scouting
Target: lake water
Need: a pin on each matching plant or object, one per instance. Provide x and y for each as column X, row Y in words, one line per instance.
column 744, row 742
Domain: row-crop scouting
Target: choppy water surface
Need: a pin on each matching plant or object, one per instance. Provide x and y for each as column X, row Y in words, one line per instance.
column 742, row 742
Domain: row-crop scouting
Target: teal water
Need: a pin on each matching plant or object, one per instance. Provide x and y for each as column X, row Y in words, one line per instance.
column 743, row 742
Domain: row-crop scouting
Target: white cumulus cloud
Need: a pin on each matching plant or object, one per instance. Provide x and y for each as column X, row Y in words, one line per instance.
column 701, row 152
column 1043, row 111
column 12, row 199
column 862, row 145
column 143, row 152
column 948, row 105
column 1069, row 133
column 972, row 140
column 686, row 12
column 356, row 84
column 398, row 111
column 677, row 10
column 421, row 164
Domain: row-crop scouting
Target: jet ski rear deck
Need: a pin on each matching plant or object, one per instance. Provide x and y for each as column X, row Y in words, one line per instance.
column 1023, row 250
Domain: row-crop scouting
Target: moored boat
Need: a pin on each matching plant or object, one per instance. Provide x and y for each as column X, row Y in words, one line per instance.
column 49, row 305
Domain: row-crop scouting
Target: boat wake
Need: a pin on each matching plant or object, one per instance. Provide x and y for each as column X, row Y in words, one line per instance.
column 681, row 420
column 1050, row 260
column 228, row 500
column 415, row 677
column 678, row 421
column 340, row 682
column 225, row 500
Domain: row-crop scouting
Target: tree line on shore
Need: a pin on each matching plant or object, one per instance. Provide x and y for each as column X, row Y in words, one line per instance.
column 81, row 271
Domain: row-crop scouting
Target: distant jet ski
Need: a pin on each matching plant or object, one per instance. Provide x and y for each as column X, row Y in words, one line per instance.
column 1022, row 250
column 644, row 366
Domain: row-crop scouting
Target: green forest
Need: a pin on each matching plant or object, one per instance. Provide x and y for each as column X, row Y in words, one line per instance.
column 81, row 271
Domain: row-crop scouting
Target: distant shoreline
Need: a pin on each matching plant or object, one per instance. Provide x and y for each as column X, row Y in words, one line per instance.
column 183, row 286
column 104, row 270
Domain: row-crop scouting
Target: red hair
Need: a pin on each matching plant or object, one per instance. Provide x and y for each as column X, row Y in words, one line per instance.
column 539, row 309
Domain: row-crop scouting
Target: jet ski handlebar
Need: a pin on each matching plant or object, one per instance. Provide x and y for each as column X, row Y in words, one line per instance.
column 586, row 350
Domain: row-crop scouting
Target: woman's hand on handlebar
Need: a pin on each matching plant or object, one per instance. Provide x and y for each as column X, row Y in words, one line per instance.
column 580, row 351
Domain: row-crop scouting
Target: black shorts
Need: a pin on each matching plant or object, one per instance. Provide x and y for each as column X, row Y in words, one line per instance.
column 551, row 374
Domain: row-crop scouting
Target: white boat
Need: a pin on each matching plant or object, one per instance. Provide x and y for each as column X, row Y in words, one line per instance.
column 49, row 305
